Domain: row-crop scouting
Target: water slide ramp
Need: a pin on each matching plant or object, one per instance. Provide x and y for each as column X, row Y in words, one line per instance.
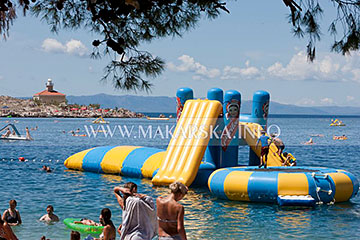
column 251, row 132
column 188, row 143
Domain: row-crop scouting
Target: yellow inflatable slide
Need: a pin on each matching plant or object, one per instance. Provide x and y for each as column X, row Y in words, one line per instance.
column 251, row 133
column 188, row 143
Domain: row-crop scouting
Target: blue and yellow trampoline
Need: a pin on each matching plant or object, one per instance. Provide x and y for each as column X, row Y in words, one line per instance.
column 275, row 184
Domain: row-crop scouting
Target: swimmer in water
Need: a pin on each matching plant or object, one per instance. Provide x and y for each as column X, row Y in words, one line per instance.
column 46, row 168
column 12, row 215
column 310, row 142
column 50, row 216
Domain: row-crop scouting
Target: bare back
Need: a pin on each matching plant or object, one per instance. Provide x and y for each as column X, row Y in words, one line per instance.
column 278, row 142
column 170, row 217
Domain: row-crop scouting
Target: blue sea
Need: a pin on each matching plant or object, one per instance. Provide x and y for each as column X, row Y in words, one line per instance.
column 83, row 194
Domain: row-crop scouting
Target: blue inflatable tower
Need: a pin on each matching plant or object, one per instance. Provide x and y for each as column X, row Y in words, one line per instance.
column 230, row 136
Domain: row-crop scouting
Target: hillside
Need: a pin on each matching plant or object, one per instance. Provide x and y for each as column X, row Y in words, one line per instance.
column 168, row 105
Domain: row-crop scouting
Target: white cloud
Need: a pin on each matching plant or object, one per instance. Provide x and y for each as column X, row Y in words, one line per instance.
column 331, row 67
column 75, row 47
column 72, row 47
column 305, row 102
column 52, row 45
column 240, row 73
column 350, row 98
column 188, row 64
column 326, row 101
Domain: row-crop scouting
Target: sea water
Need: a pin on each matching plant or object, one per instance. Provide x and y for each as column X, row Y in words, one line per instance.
column 83, row 194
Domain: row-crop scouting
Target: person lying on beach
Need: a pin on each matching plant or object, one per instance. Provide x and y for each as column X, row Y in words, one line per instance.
column 12, row 215
column 50, row 216
column 88, row 222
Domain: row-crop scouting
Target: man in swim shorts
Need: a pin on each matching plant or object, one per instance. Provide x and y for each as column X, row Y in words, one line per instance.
column 265, row 144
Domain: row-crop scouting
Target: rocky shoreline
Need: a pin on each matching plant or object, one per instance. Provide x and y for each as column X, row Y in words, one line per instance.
column 15, row 107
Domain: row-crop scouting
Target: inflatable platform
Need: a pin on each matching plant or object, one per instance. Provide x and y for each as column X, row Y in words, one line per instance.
column 208, row 156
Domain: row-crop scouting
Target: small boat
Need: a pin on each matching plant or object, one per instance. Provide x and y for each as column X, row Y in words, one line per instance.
column 337, row 123
column 100, row 120
column 157, row 118
column 15, row 135
column 340, row 137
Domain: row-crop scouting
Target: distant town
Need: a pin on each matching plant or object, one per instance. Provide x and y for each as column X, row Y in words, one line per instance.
column 51, row 103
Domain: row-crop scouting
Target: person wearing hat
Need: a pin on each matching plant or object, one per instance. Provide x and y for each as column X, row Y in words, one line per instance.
column 265, row 144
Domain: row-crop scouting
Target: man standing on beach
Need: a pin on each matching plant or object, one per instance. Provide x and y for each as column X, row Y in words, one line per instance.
column 265, row 144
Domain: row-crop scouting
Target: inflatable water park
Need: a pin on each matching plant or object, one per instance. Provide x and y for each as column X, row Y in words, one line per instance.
column 209, row 157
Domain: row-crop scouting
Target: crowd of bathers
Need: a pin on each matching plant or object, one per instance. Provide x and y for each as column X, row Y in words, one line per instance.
column 142, row 218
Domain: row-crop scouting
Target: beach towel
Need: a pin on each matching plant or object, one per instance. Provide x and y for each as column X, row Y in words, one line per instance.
column 139, row 219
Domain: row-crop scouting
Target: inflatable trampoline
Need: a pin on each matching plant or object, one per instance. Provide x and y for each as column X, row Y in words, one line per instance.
column 275, row 185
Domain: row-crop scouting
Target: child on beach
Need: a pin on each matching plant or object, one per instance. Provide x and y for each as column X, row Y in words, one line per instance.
column 50, row 216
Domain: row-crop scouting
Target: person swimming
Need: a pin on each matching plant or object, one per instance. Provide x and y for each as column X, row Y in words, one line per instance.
column 46, row 168
column 310, row 142
column 50, row 216
column 77, row 135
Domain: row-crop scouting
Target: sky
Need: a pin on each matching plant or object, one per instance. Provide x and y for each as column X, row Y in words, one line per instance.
column 250, row 49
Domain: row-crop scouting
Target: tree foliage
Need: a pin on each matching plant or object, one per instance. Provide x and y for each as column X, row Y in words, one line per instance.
column 305, row 16
column 122, row 25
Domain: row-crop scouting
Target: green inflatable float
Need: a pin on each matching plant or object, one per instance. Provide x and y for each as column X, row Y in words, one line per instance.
column 69, row 222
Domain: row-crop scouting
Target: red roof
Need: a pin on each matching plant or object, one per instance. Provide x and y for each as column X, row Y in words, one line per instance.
column 52, row 93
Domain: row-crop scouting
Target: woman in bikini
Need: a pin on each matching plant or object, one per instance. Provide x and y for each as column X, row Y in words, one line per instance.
column 11, row 215
column 109, row 231
column 6, row 232
column 170, row 213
